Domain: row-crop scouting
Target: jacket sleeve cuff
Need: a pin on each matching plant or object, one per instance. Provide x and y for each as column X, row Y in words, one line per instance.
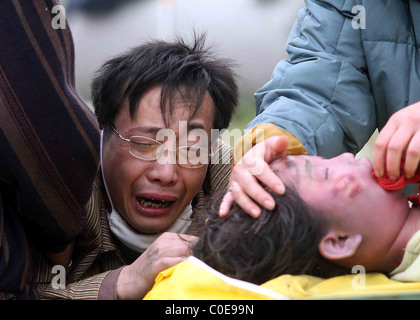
column 262, row 132
column 108, row 289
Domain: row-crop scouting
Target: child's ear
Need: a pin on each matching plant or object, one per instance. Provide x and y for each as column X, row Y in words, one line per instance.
column 336, row 247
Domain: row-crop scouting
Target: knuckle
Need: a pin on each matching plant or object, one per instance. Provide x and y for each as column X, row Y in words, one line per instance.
column 409, row 171
column 235, row 192
column 380, row 145
column 162, row 240
column 237, row 169
column 397, row 116
column 248, row 204
column 168, row 262
column 413, row 152
column 166, row 235
column 394, row 148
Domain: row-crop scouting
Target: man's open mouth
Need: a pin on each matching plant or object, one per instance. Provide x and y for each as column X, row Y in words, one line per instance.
column 153, row 203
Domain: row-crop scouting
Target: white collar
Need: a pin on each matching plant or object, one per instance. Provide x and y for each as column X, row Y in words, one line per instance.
column 138, row 241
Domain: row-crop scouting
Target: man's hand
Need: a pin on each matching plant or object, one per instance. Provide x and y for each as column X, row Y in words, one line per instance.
column 244, row 188
column 400, row 138
column 137, row 279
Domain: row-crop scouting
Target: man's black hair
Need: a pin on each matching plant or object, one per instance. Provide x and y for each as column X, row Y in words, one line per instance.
column 177, row 66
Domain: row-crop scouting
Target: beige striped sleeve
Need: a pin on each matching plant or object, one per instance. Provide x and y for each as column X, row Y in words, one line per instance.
column 219, row 173
column 87, row 289
column 220, row 167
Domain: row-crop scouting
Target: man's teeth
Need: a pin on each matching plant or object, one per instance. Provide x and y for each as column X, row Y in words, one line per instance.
column 153, row 203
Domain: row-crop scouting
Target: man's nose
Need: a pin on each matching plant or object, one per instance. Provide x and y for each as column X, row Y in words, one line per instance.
column 164, row 170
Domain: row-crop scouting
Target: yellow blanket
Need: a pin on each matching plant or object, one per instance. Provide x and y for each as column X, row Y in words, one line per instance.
column 194, row 280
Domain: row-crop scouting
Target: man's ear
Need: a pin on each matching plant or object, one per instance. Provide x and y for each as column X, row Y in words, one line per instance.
column 336, row 247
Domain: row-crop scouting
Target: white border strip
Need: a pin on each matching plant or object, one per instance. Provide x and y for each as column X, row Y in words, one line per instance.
column 236, row 282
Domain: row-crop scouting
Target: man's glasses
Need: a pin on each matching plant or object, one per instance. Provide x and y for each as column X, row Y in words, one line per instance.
column 148, row 149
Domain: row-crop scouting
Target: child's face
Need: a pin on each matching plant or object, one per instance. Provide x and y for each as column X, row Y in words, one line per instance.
column 344, row 188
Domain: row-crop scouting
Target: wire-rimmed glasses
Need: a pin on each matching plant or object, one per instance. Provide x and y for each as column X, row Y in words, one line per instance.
column 149, row 149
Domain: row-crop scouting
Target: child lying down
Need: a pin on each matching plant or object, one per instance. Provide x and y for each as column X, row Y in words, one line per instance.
column 333, row 216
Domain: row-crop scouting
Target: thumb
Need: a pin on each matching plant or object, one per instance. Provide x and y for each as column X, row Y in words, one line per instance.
column 275, row 147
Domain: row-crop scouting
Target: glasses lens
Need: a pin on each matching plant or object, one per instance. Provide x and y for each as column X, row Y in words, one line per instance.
column 144, row 148
column 192, row 157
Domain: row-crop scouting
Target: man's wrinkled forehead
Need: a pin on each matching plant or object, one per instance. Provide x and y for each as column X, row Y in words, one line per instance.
column 179, row 104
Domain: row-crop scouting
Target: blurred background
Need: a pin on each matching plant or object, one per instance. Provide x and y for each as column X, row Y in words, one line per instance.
column 253, row 33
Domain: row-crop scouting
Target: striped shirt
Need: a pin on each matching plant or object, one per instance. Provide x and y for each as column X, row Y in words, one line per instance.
column 97, row 252
column 49, row 142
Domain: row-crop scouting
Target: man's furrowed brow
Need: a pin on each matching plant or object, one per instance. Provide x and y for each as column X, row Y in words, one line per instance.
column 194, row 125
column 146, row 130
column 154, row 130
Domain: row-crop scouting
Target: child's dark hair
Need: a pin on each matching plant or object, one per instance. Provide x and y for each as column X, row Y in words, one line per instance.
column 282, row 241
